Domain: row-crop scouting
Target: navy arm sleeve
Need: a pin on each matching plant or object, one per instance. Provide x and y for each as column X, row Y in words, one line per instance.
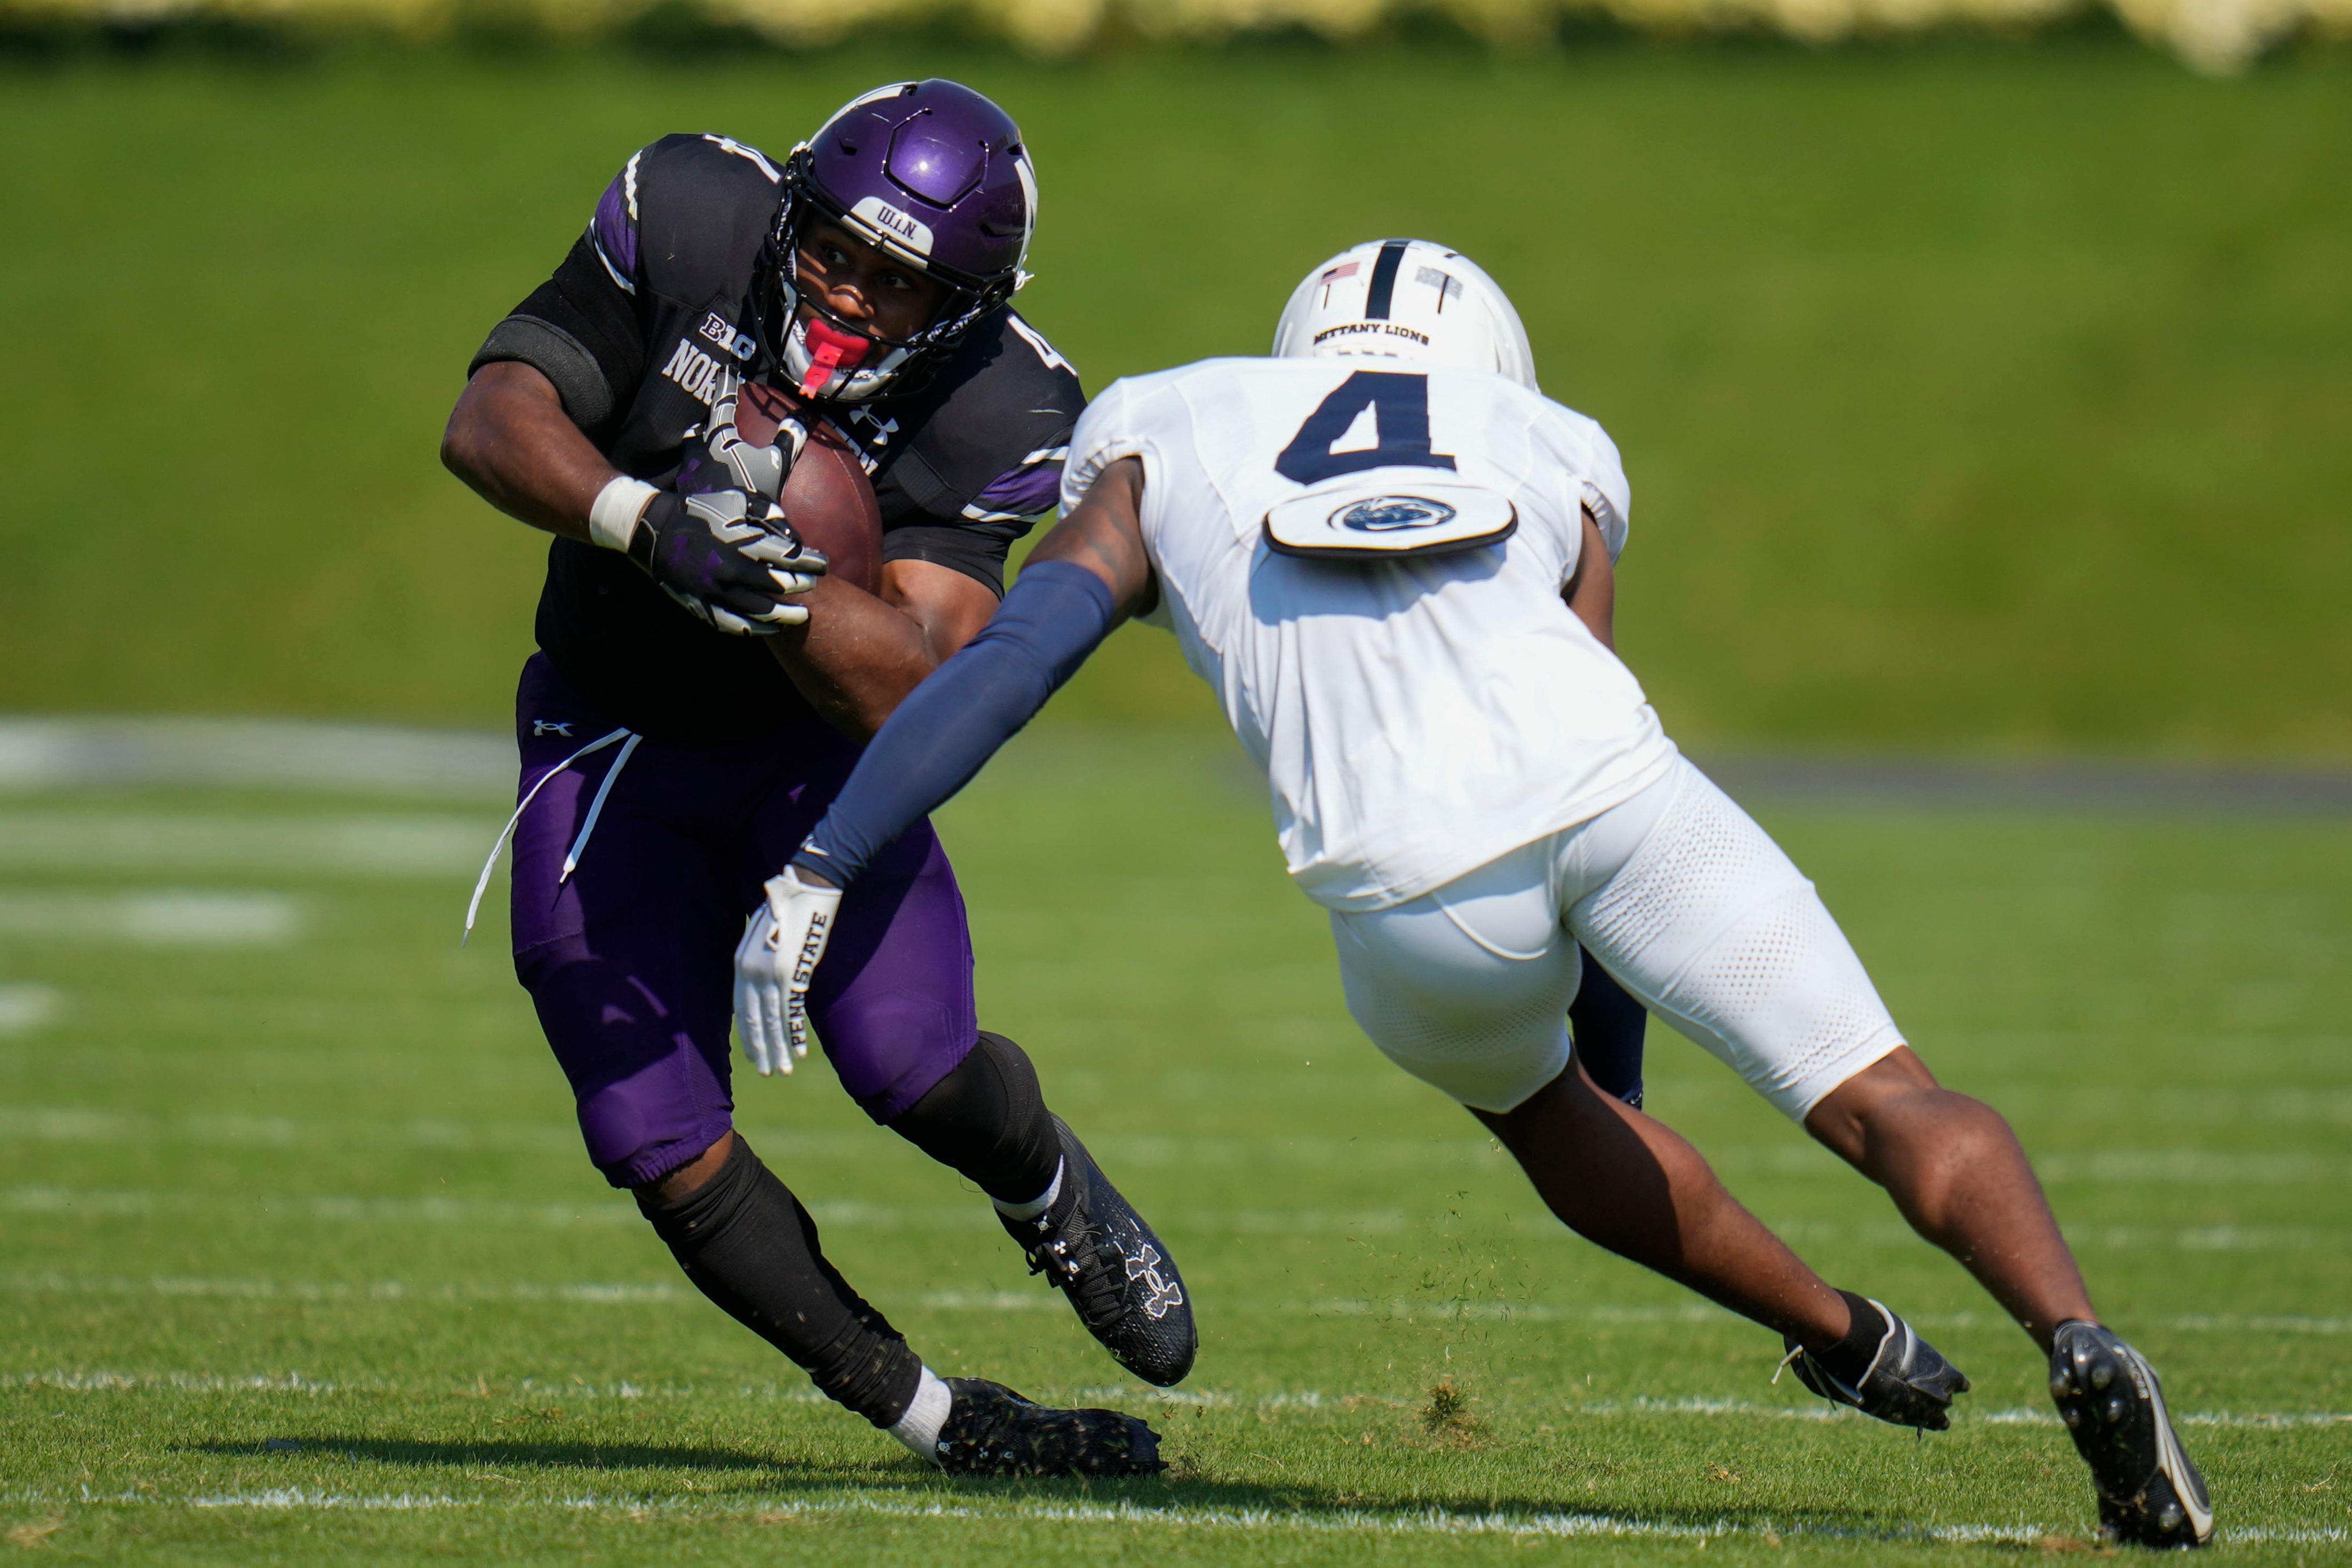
column 952, row 723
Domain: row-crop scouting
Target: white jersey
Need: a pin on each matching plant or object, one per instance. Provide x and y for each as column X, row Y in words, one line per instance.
column 1415, row 718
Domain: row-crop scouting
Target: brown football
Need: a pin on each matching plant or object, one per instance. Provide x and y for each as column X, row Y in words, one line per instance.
column 826, row 495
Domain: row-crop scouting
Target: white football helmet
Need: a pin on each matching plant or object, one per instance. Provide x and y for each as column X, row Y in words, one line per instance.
column 1406, row 299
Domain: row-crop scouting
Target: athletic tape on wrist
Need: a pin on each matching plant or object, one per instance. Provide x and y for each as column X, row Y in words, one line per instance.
column 612, row 518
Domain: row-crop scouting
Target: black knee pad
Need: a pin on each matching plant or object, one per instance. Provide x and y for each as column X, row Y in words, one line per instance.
column 988, row 1121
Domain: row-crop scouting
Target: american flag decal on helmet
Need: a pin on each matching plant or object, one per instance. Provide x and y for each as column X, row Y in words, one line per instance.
column 1333, row 274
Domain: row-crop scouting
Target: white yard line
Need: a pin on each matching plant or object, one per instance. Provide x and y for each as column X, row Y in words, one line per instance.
column 56, row 753
column 328, row 1210
column 657, row 1292
column 1130, row 1395
column 1413, row 1522
column 161, row 917
column 598, row 1294
column 408, row 847
column 2121, row 1167
column 867, row 1216
column 340, row 759
column 24, row 1008
column 872, row 1217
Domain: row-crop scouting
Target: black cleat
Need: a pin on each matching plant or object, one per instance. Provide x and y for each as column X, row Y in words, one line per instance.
column 2149, row 1493
column 993, row 1431
column 1100, row 1254
column 1908, row 1383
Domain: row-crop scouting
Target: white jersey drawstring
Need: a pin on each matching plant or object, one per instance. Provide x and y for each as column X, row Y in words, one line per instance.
column 596, row 809
column 499, row 847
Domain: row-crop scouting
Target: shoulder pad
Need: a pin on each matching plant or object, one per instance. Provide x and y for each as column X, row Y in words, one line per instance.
column 705, row 204
column 997, row 405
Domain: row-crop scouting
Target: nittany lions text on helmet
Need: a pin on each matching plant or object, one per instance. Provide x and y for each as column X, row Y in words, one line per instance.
column 929, row 172
column 1406, row 299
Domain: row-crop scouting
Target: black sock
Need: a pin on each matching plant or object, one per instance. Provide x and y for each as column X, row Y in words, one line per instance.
column 747, row 1243
column 988, row 1121
column 1850, row 1358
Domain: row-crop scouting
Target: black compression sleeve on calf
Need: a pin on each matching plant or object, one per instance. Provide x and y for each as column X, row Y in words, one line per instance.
column 952, row 723
column 747, row 1243
column 1607, row 1025
column 988, row 1121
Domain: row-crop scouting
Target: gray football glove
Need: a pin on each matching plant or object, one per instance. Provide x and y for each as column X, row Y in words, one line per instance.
column 728, row 461
column 730, row 557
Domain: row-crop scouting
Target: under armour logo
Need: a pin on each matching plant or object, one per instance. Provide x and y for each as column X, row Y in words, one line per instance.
column 1165, row 1293
column 552, row 727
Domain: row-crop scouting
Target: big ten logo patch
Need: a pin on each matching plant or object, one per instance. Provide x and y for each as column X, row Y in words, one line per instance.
column 721, row 331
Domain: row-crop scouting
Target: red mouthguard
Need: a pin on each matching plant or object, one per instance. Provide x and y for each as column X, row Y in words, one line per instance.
column 830, row 349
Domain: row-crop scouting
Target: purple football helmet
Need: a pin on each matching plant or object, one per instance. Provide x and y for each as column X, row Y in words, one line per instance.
column 930, row 173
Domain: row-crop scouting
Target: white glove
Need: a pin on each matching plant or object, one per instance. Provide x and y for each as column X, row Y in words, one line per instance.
column 774, row 965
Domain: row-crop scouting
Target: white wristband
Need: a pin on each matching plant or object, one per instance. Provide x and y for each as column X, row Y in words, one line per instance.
column 612, row 518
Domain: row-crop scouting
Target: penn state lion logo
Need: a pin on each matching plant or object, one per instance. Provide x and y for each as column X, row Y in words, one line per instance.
column 1145, row 1266
column 1391, row 514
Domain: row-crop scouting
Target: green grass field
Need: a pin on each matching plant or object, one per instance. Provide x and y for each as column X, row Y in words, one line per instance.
column 1976, row 397
column 299, row 1256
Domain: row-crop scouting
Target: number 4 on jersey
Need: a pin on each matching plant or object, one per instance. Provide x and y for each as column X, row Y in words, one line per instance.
column 1400, row 409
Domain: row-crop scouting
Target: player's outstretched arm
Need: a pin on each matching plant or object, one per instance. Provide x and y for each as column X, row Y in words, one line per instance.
column 1088, row 575
column 1104, row 533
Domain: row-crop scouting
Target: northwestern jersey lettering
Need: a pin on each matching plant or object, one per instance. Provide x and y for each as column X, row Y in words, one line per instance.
column 634, row 329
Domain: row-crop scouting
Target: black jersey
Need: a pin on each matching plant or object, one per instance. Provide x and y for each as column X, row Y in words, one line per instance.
column 633, row 329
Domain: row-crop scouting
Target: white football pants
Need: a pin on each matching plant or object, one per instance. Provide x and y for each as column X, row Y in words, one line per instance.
column 1679, row 895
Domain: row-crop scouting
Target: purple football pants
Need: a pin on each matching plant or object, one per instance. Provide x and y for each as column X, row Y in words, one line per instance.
column 630, row 959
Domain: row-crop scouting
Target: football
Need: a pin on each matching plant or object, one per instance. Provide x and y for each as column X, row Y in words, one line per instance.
column 826, row 495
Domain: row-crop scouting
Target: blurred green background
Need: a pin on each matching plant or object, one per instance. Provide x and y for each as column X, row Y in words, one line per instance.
column 1977, row 398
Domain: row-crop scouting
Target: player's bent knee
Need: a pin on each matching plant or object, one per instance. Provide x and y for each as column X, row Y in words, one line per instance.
column 1879, row 1092
column 684, row 1181
column 645, row 1055
column 634, row 1154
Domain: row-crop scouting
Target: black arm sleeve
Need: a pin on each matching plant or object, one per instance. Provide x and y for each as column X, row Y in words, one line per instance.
column 978, row 550
column 580, row 332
